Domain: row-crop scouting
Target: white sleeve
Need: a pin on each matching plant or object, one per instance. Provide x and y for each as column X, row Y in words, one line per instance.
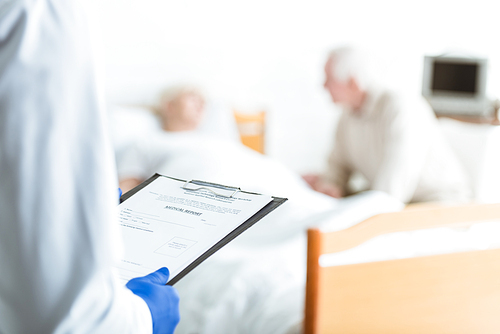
column 339, row 170
column 407, row 137
column 58, row 231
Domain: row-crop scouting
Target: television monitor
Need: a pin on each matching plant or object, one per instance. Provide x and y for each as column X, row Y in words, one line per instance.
column 456, row 86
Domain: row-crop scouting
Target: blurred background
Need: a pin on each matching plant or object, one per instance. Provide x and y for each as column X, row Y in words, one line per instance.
column 269, row 55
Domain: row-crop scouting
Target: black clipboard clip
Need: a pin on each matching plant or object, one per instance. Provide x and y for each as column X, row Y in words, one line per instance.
column 209, row 185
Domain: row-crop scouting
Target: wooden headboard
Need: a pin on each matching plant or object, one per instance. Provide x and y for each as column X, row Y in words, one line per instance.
column 252, row 129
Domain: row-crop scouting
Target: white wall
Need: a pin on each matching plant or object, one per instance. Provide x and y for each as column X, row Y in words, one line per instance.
column 269, row 53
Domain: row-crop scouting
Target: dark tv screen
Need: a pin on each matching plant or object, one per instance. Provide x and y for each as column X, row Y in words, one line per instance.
column 455, row 77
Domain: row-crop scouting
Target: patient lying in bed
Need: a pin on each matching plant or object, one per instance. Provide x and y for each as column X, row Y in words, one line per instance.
column 181, row 109
column 180, row 149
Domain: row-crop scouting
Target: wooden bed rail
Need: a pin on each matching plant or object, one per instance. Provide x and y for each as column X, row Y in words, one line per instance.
column 449, row 293
column 408, row 221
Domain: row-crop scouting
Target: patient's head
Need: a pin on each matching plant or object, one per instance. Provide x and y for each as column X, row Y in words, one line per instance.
column 346, row 77
column 181, row 108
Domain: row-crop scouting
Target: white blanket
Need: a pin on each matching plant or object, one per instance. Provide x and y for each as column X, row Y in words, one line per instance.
column 256, row 283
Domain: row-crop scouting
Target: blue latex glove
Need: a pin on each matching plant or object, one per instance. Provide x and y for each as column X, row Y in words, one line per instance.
column 119, row 194
column 162, row 300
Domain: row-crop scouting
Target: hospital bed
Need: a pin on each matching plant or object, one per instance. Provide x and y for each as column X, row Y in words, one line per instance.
column 257, row 283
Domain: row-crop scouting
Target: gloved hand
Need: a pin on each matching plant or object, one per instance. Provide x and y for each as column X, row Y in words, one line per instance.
column 162, row 300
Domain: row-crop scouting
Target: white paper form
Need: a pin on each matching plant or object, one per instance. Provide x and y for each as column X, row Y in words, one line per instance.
column 164, row 225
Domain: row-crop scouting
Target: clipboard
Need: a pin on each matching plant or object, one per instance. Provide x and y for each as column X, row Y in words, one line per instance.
column 196, row 185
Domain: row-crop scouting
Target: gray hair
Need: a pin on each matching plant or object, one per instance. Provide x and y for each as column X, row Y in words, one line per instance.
column 171, row 93
column 352, row 63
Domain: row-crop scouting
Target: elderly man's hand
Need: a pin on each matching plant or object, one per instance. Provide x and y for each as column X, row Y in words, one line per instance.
column 328, row 189
column 311, row 179
column 316, row 183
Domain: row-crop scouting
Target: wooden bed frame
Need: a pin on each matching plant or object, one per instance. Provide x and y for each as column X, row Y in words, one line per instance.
column 450, row 293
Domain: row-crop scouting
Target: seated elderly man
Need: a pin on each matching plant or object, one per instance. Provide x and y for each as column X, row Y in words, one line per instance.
column 393, row 141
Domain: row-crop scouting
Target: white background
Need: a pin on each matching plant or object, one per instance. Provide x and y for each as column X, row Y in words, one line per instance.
column 269, row 54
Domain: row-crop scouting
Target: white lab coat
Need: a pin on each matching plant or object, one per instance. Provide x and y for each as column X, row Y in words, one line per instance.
column 58, row 195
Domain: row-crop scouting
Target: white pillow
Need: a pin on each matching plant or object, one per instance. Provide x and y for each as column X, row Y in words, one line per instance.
column 129, row 124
